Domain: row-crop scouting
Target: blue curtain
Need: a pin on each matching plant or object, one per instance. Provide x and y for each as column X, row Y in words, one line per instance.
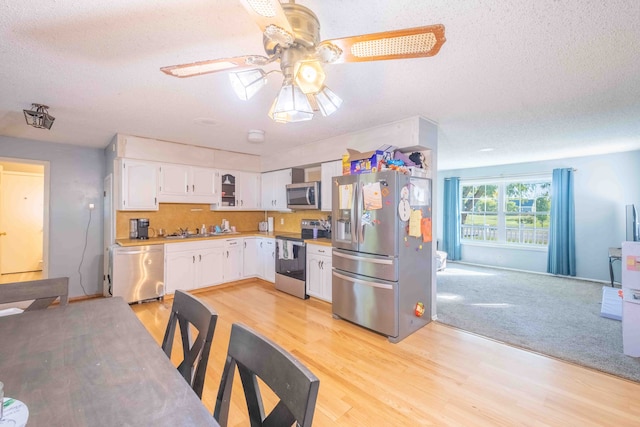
column 562, row 234
column 451, row 223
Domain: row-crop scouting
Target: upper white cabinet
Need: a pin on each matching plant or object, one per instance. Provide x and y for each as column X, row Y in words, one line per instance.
column 327, row 171
column 137, row 184
column 236, row 190
column 186, row 184
column 274, row 191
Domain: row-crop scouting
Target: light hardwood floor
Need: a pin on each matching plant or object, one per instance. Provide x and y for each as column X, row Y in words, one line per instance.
column 438, row 376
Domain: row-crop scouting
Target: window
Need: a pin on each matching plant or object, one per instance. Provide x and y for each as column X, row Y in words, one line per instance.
column 506, row 211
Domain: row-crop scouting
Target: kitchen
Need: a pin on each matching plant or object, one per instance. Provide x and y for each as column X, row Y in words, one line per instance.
column 290, row 229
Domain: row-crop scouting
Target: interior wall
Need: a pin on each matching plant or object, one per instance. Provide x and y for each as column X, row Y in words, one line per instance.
column 76, row 180
column 603, row 185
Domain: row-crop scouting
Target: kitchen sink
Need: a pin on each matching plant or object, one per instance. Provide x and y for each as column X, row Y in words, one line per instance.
column 190, row 236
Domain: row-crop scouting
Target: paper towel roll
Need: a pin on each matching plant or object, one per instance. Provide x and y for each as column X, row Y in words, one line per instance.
column 270, row 223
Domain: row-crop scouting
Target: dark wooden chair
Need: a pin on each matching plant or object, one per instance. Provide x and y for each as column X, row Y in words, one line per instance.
column 188, row 310
column 257, row 357
column 43, row 292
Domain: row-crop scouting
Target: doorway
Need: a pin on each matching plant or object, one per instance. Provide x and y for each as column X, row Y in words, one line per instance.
column 23, row 220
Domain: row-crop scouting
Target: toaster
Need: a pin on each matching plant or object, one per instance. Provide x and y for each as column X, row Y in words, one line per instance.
column 262, row 226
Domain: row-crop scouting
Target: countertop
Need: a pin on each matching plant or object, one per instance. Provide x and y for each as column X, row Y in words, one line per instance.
column 164, row 240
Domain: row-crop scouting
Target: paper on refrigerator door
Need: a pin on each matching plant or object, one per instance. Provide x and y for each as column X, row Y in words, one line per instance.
column 372, row 196
column 415, row 222
column 346, row 196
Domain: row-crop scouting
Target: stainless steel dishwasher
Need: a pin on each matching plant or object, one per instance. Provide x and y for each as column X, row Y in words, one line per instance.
column 137, row 272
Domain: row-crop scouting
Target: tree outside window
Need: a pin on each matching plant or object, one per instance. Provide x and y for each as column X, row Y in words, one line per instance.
column 511, row 212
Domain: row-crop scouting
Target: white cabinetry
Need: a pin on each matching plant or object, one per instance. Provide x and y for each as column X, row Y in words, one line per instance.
column 251, row 261
column 249, row 191
column 274, row 191
column 193, row 265
column 327, row 171
column 137, row 184
column 186, row 184
column 232, row 262
column 319, row 271
column 267, row 257
column 237, row 190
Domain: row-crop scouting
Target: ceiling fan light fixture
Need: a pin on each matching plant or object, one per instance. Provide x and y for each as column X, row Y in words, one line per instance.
column 309, row 76
column 39, row 117
column 328, row 102
column 247, row 83
column 291, row 105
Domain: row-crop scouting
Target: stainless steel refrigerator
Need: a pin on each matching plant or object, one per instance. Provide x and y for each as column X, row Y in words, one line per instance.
column 382, row 252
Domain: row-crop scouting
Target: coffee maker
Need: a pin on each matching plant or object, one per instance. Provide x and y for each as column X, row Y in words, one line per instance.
column 139, row 228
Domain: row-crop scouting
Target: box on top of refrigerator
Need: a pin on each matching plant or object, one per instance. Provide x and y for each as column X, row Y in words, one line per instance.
column 370, row 161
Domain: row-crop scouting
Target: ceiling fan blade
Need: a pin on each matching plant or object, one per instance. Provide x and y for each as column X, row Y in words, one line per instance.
column 214, row 65
column 407, row 43
column 267, row 12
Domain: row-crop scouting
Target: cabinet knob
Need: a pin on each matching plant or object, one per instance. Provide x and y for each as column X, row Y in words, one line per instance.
column 194, row 259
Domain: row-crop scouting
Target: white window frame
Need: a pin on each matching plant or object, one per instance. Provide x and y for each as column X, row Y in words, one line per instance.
column 501, row 224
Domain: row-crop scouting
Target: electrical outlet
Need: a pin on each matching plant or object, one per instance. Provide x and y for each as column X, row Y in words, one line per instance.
column 281, row 221
column 91, row 206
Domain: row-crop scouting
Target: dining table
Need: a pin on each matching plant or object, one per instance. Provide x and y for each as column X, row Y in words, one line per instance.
column 93, row 363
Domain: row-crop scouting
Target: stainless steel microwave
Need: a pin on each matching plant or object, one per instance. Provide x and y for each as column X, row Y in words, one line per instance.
column 304, row 195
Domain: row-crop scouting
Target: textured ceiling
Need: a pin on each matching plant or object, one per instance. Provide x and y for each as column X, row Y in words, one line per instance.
column 533, row 80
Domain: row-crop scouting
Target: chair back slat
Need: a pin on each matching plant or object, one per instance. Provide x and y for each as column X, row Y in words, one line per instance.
column 189, row 310
column 258, row 357
column 43, row 292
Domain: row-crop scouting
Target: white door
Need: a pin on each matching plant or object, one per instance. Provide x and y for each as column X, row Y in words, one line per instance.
column 251, row 261
column 269, row 260
column 139, row 185
column 314, row 275
column 22, row 221
column 179, row 271
column 210, row 267
column 203, row 182
column 108, row 229
column 233, row 260
column 174, row 180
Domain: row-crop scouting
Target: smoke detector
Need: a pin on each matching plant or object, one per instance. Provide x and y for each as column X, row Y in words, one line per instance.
column 255, row 135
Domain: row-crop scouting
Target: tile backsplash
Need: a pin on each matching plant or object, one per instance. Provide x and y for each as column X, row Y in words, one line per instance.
column 172, row 216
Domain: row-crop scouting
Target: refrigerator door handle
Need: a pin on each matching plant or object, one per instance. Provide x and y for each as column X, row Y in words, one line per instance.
column 357, row 258
column 361, row 223
column 362, row 282
column 354, row 213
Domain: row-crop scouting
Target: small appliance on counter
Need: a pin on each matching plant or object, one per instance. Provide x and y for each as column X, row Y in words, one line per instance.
column 314, row 229
column 139, row 228
column 263, row 226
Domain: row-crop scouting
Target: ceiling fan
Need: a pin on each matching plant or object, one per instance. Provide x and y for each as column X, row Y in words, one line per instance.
column 291, row 36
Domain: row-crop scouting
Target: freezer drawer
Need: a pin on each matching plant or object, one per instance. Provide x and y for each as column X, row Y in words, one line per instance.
column 371, row 303
column 379, row 266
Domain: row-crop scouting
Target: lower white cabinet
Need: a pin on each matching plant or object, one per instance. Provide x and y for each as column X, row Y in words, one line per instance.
column 319, row 271
column 193, row 265
column 251, row 262
column 260, row 258
column 232, row 260
column 267, row 258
